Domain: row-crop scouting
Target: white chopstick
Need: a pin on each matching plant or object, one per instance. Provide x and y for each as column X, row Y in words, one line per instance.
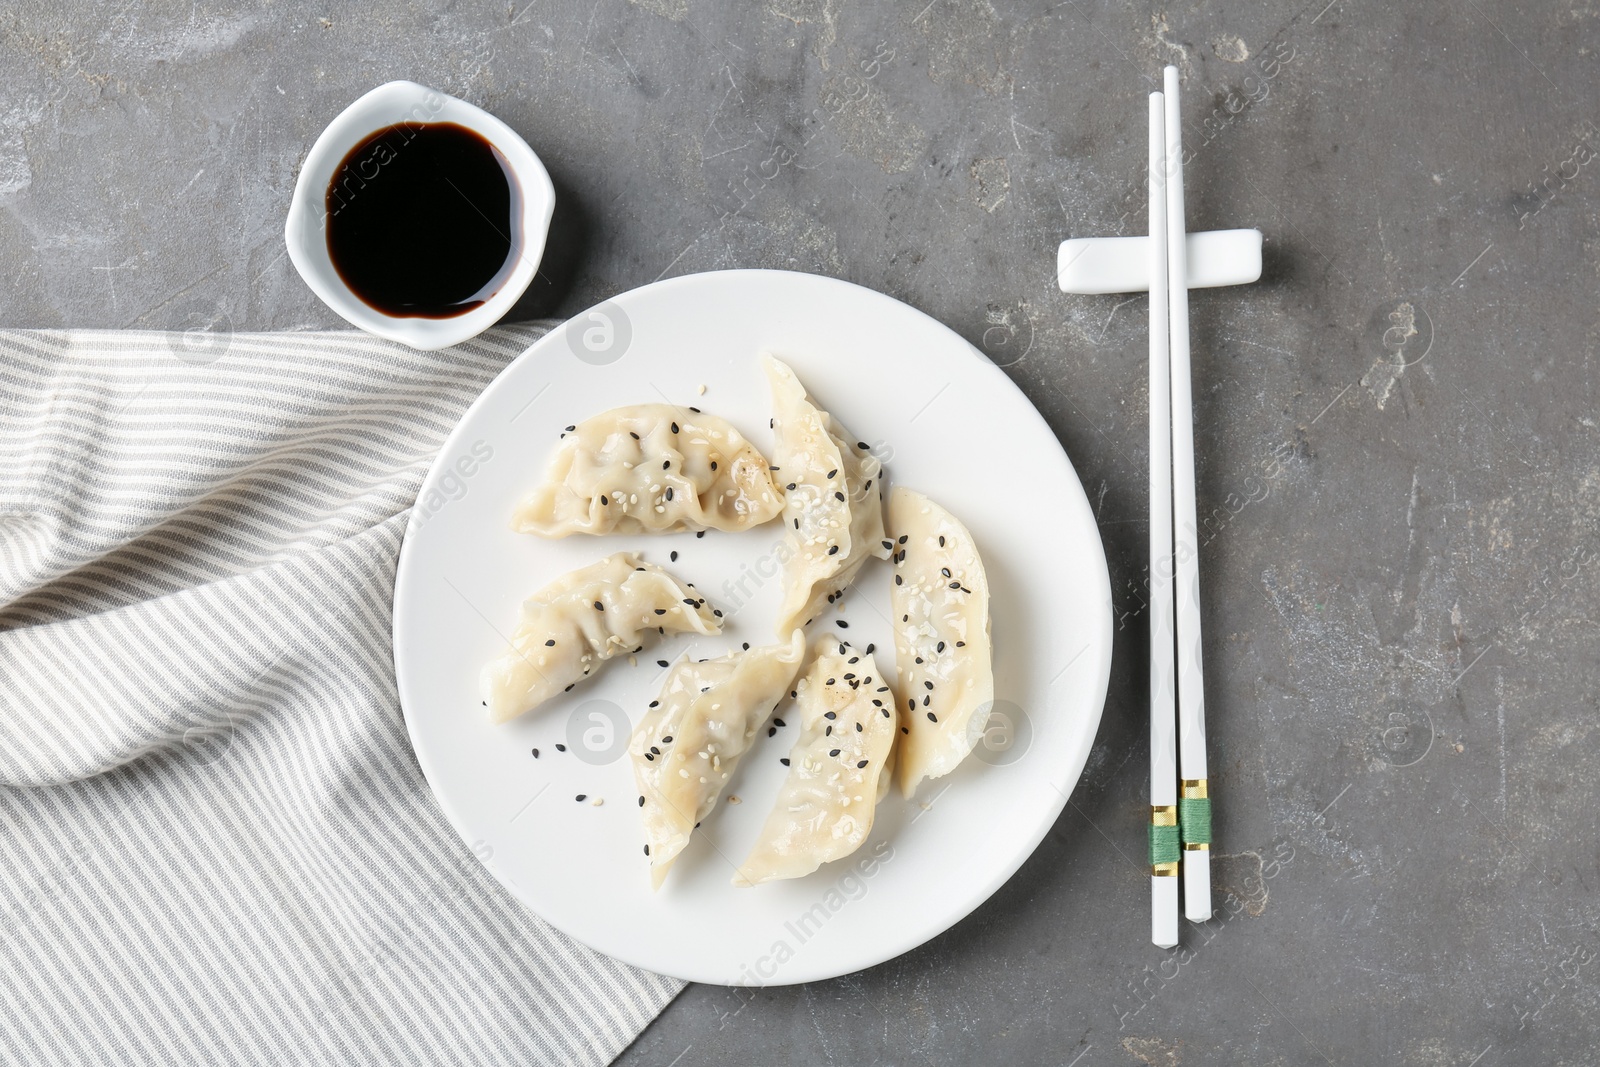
column 1163, row 741
column 1195, row 818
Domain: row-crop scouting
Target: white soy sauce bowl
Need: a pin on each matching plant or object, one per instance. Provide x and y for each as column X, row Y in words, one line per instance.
column 305, row 230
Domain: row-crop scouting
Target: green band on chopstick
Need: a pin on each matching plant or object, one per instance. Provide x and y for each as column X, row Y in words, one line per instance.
column 1194, row 818
column 1163, row 845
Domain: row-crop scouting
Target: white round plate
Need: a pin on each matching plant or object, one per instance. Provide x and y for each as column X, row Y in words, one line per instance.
column 945, row 421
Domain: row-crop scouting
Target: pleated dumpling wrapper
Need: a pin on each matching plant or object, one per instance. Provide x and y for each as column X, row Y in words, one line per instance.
column 825, row 806
column 833, row 502
column 940, row 599
column 650, row 468
column 580, row 620
column 686, row 747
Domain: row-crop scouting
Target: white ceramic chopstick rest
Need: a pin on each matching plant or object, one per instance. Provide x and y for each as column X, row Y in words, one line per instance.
column 1097, row 265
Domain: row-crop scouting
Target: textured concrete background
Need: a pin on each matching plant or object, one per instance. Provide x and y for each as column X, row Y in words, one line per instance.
column 1400, row 463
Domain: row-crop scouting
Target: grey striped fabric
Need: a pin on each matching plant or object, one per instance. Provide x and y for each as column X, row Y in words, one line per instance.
column 217, row 846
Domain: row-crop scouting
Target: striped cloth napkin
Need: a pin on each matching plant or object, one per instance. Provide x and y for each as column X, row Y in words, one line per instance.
column 215, row 843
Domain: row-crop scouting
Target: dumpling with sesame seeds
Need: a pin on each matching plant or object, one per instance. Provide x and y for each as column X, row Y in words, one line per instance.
column 940, row 598
column 837, row 767
column 650, row 468
column 581, row 620
column 833, row 502
column 686, row 747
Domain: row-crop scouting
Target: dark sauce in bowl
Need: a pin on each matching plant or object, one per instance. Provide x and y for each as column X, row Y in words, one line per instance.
column 422, row 220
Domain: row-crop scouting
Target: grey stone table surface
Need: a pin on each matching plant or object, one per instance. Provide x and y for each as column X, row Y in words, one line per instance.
column 1399, row 455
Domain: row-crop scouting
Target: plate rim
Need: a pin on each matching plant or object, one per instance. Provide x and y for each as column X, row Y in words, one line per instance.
column 1101, row 642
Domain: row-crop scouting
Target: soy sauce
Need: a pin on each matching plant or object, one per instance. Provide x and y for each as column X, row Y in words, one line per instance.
column 421, row 218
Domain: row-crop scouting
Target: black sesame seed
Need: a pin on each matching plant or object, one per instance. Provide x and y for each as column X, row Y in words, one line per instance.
column 561, row 748
column 833, row 752
column 655, row 703
column 797, row 524
column 961, row 644
column 861, row 445
column 605, row 502
column 899, row 580
column 674, row 427
column 666, row 464
column 905, row 729
column 885, row 711
column 699, row 533
column 713, row 464
column 860, row 765
column 581, row 797
column 716, row 612
column 661, row 663
column 633, row 435
column 828, row 732
column 690, row 602
column 535, row 753
column 667, row 740
column 927, row 685
column 655, row 750
column 858, row 728
column 649, row 757
column 932, row 717
column 790, row 486
column 925, row 701
column 919, row 659
column 841, row 624
column 955, row 585
column 941, row 540
column 833, row 550
column 695, row 410
column 912, row 703
column 571, row 428
column 833, row 472
column 746, row 646
column 871, row 649
column 641, row 804
column 901, row 540
column 550, row 643
column 674, row 556
column 599, row 606
column 780, row 722
column 647, row 850
column 945, row 571
column 568, row 689
column 772, row 731
column 661, row 611
column 888, row 544
column 784, row 760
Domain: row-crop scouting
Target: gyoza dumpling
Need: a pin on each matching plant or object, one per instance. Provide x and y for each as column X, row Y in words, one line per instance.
column 685, row 749
column 940, row 599
column 650, row 468
column 582, row 619
column 833, row 504
column 825, row 806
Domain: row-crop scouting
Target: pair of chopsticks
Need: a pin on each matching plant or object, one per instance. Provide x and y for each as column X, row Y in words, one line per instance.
column 1180, row 812
column 1167, row 264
